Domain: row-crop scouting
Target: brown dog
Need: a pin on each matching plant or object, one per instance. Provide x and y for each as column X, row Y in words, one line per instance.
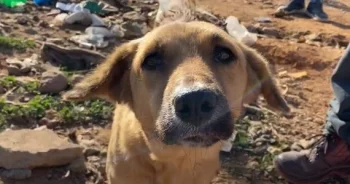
column 177, row 91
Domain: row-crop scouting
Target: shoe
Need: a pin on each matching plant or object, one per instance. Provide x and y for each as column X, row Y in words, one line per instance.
column 294, row 6
column 315, row 11
column 329, row 157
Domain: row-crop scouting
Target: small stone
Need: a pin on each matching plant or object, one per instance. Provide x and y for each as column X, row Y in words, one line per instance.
column 134, row 16
column 59, row 19
column 43, row 24
column 263, row 19
column 314, row 37
column 271, row 31
column 2, row 89
column 298, row 75
column 23, row 20
column 295, row 147
column 134, row 29
column 17, row 174
column 53, row 82
column 35, row 148
column 36, row 18
column 253, row 164
column 30, row 31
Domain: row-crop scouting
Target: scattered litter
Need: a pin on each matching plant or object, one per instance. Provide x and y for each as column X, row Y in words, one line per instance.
column 235, row 29
column 83, row 18
column 43, row 2
column 13, row 3
column 227, row 144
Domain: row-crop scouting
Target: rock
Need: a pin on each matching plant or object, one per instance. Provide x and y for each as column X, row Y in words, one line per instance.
column 134, row 29
column 78, row 165
column 35, row 148
column 14, row 70
column 256, row 28
column 17, row 67
column 53, row 82
column 17, row 174
column 263, row 19
column 134, row 16
column 271, row 31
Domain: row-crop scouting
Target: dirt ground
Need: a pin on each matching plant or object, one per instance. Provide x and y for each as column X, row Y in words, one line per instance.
column 290, row 52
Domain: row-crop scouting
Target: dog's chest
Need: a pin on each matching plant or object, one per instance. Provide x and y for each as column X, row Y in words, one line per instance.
column 186, row 172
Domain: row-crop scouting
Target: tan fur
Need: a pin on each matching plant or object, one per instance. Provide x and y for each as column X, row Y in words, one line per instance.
column 134, row 155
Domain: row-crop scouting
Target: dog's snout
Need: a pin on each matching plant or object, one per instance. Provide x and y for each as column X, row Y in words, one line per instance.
column 195, row 106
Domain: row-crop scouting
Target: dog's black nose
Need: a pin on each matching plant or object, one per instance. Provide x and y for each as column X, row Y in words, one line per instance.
column 195, row 106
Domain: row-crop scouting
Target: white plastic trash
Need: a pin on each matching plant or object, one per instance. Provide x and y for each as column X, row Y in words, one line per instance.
column 235, row 29
column 71, row 7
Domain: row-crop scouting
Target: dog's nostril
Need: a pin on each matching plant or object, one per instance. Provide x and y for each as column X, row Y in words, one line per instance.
column 195, row 106
column 207, row 107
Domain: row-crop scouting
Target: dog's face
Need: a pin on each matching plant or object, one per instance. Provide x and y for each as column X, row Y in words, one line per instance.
column 185, row 82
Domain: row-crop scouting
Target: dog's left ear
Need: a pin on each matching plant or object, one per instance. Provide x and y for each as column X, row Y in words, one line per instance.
column 261, row 81
column 110, row 80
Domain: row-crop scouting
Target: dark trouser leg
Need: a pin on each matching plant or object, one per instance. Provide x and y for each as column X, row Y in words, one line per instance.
column 338, row 117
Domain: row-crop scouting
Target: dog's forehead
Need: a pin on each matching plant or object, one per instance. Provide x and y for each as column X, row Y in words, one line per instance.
column 184, row 31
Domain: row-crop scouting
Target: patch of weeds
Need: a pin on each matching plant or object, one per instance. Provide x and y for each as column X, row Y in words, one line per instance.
column 70, row 112
column 30, row 87
column 242, row 140
column 8, row 82
column 266, row 162
column 15, row 43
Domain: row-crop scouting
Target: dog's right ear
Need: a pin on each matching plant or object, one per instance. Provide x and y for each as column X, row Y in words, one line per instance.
column 110, row 80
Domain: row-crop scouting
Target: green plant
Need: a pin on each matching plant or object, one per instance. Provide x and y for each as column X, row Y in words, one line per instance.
column 8, row 82
column 15, row 43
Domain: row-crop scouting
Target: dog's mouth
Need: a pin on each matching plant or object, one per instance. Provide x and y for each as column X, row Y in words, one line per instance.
column 199, row 140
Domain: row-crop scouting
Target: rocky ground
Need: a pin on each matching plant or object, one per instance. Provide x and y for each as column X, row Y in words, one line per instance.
column 36, row 67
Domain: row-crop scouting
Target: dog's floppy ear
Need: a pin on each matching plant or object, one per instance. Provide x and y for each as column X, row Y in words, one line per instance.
column 110, row 80
column 261, row 81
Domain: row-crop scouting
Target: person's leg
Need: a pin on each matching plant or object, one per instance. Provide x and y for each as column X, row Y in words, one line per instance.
column 338, row 118
column 315, row 10
column 331, row 155
column 294, row 6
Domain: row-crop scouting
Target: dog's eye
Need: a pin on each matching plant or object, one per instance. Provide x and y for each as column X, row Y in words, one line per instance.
column 223, row 55
column 152, row 62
